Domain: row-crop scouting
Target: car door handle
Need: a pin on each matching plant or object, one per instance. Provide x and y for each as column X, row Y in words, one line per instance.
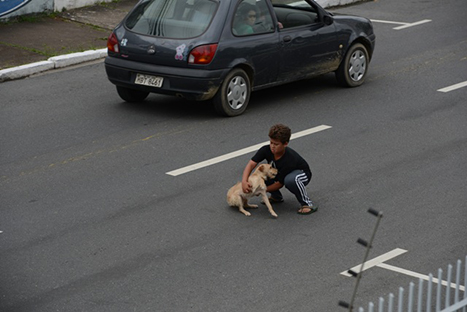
column 287, row 39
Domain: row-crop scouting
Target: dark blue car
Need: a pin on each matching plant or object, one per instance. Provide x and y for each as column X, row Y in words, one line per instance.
column 225, row 49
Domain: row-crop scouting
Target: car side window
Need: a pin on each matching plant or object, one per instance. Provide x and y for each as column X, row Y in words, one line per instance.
column 252, row 17
column 294, row 13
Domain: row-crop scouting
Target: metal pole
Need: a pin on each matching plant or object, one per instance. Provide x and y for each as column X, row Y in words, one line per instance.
column 410, row 304
column 458, row 281
column 420, row 295
column 381, row 304
column 428, row 295
column 379, row 215
column 401, row 298
column 438, row 291
column 390, row 302
column 465, row 283
column 448, row 288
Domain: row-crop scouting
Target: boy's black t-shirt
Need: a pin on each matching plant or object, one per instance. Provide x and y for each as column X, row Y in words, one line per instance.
column 289, row 162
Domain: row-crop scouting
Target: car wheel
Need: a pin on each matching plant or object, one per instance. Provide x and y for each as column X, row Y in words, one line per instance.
column 131, row 95
column 354, row 66
column 234, row 94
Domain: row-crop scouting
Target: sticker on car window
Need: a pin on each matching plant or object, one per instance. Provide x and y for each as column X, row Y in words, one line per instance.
column 181, row 53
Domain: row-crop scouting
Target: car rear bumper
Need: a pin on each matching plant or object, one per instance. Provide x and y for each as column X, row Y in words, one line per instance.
column 189, row 83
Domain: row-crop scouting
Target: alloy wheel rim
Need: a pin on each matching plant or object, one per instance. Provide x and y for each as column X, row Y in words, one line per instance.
column 237, row 92
column 357, row 65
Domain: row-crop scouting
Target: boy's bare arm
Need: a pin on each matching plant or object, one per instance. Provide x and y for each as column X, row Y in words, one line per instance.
column 274, row 187
column 246, row 187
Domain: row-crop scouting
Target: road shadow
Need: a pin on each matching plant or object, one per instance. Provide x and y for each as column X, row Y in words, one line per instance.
column 171, row 107
column 261, row 100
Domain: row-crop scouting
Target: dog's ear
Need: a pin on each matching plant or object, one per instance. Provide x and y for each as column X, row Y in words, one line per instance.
column 261, row 168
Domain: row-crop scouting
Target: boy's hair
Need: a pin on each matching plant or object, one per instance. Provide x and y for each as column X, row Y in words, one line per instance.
column 281, row 133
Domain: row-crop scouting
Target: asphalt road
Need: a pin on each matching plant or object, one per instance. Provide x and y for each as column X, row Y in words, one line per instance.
column 91, row 221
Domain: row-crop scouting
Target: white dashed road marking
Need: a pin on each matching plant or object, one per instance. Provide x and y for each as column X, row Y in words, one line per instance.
column 403, row 25
column 417, row 275
column 241, row 152
column 379, row 262
column 454, row 87
column 376, row 261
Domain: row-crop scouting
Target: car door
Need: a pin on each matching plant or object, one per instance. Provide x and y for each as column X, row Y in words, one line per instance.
column 253, row 39
column 308, row 45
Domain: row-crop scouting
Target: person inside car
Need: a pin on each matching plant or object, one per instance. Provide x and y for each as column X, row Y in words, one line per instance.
column 246, row 20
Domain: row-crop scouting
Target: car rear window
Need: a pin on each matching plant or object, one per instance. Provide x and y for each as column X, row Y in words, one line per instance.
column 179, row 19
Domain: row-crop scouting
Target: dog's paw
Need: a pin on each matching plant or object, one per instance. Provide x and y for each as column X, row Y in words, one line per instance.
column 252, row 206
column 246, row 213
column 275, row 215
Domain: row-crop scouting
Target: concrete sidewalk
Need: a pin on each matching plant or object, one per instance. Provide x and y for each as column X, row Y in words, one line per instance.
column 31, row 45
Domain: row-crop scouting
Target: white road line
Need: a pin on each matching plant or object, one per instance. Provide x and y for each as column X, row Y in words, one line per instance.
column 379, row 262
column 388, row 22
column 241, row 152
column 454, row 87
column 417, row 275
column 412, row 24
column 403, row 25
column 376, row 261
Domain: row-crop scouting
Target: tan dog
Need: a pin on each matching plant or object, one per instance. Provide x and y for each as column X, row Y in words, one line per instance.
column 237, row 198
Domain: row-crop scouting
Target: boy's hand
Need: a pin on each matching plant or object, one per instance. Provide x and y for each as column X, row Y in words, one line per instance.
column 246, row 187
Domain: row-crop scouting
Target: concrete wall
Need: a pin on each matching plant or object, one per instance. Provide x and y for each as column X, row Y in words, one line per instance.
column 11, row 8
column 73, row 4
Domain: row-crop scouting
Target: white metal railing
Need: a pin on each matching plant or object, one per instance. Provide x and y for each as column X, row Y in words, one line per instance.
column 416, row 301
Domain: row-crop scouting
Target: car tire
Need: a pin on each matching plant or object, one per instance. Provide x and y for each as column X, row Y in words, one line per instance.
column 234, row 94
column 131, row 95
column 353, row 68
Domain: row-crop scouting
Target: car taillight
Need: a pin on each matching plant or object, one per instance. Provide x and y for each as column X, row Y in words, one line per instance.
column 202, row 54
column 112, row 43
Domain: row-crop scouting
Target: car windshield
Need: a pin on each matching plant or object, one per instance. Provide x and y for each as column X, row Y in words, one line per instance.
column 179, row 19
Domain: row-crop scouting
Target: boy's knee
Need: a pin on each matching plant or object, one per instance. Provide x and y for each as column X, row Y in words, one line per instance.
column 289, row 180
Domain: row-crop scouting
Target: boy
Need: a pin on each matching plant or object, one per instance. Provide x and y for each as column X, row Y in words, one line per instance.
column 294, row 172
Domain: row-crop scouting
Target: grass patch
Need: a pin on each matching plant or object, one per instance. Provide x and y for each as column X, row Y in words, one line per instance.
column 29, row 18
column 46, row 52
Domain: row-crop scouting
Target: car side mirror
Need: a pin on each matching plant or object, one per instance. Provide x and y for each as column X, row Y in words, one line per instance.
column 328, row 20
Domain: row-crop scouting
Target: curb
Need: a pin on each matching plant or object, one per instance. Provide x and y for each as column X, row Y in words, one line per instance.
column 52, row 63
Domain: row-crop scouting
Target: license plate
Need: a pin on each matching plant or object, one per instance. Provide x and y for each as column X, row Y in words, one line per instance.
column 148, row 80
